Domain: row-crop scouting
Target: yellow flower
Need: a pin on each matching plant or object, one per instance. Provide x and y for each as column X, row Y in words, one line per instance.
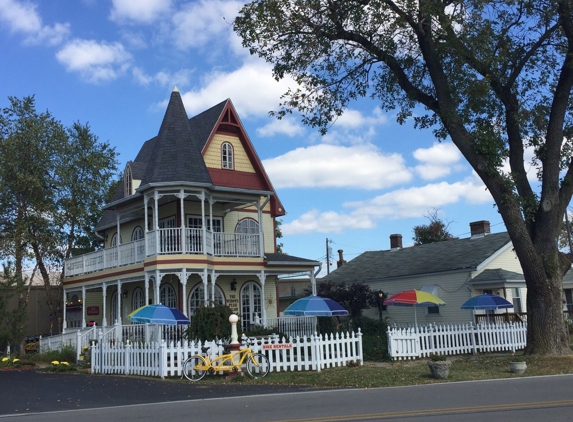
column 16, row 360
column 64, row 363
column 55, row 362
column 5, row 359
column 86, row 347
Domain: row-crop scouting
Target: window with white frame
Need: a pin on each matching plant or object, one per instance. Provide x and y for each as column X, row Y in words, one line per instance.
column 516, row 299
column 431, row 310
column 227, row 156
column 138, row 299
column 127, row 181
column 113, row 313
column 167, row 296
column 197, row 298
column 247, row 226
column 137, row 234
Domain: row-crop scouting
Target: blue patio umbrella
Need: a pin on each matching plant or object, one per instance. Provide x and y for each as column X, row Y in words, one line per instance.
column 487, row 302
column 315, row 306
column 159, row 314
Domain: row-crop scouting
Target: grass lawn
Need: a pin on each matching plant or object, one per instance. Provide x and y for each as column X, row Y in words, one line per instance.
column 376, row 374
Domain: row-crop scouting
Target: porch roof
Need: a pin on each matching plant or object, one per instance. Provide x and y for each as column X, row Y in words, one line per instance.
column 497, row 278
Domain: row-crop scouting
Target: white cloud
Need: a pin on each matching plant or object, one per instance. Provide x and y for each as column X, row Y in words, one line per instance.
column 402, row 203
column 332, row 166
column 353, row 119
column 23, row 18
column 140, row 11
column 286, row 126
column 163, row 78
column 437, row 161
column 199, row 23
column 94, row 61
column 251, row 87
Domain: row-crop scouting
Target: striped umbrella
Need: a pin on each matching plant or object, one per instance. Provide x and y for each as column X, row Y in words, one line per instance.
column 414, row 298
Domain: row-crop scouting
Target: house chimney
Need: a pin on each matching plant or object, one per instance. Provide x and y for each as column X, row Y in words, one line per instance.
column 395, row 241
column 341, row 260
column 479, row 228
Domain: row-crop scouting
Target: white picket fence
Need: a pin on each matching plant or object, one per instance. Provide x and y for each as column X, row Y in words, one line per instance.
column 455, row 339
column 164, row 359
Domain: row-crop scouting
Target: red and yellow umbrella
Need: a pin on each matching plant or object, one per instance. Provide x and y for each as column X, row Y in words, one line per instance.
column 414, row 298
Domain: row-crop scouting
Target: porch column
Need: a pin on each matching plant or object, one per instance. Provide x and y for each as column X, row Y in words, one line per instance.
column 183, row 234
column 313, row 281
column 205, row 291
column 211, row 226
column 146, row 288
column 156, row 221
column 104, row 294
column 157, row 282
column 203, row 223
column 146, row 231
column 64, row 322
column 260, row 216
column 83, row 306
column 118, row 242
column 184, row 286
column 262, row 277
column 213, row 282
column 119, row 316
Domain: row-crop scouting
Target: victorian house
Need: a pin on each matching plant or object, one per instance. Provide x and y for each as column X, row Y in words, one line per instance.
column 192, row 224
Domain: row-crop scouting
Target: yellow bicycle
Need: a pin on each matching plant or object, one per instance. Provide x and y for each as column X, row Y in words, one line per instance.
column 196, row 367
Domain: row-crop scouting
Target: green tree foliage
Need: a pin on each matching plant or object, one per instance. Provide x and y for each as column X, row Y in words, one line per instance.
column 13, row 316
column 435, row 231
column 279, row 235
column 53, row 184
column 354, row 297
column 495, row 76
column 210, row 323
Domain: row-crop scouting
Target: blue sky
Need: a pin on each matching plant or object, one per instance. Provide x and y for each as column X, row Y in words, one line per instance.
column 114, row 63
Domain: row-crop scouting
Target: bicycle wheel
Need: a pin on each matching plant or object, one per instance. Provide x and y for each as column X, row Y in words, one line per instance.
column 258, row 365
column 194, row 368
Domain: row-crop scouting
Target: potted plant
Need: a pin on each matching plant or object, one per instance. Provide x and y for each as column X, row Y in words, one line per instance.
column 517, row 364
column 439, row 366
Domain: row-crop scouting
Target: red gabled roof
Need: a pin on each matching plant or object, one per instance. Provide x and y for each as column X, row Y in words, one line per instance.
column 229, row 123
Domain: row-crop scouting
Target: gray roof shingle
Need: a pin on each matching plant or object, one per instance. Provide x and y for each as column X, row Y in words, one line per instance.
column 460, row 254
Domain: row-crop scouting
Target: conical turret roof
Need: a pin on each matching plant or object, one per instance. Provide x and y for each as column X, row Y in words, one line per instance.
column 176, row 154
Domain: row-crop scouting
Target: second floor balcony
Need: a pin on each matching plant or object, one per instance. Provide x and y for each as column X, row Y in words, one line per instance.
column 166, row 242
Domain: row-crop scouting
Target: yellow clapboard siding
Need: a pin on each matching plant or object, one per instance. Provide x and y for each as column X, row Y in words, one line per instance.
column 212, row 156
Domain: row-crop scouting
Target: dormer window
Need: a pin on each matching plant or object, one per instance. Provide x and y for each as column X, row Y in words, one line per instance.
column 227, row 156
column 127, row 182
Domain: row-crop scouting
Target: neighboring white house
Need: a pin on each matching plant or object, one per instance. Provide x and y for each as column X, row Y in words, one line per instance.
column 452, row 270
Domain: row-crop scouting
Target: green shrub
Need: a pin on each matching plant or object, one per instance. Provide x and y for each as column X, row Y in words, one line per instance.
column 259, row 330
column 60, row 366
column 374, row 338
column 210, row 323
column 66, row 354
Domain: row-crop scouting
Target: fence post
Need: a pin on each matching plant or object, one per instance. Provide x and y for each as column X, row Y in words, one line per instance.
column 100, row 351
column 360, row 351
column 162, row 359
column 126, row 350
column 316, row 347
column 78, row 344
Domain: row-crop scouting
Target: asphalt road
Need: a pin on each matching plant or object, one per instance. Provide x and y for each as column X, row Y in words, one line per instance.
column 31, row 391
column 31, row 397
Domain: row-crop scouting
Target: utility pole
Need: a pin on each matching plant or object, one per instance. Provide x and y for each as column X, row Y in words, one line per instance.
column 328, row 252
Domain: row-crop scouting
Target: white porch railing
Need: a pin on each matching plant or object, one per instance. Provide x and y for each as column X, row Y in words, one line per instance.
column 453, row 339
column 166, row 359
column 293, row 326
column 169, row 242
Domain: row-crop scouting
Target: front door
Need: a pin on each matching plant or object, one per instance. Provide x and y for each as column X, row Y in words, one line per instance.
column 251, row 309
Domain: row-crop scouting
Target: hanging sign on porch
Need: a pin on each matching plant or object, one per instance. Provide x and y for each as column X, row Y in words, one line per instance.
column 277, row 346
column 92, row 310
